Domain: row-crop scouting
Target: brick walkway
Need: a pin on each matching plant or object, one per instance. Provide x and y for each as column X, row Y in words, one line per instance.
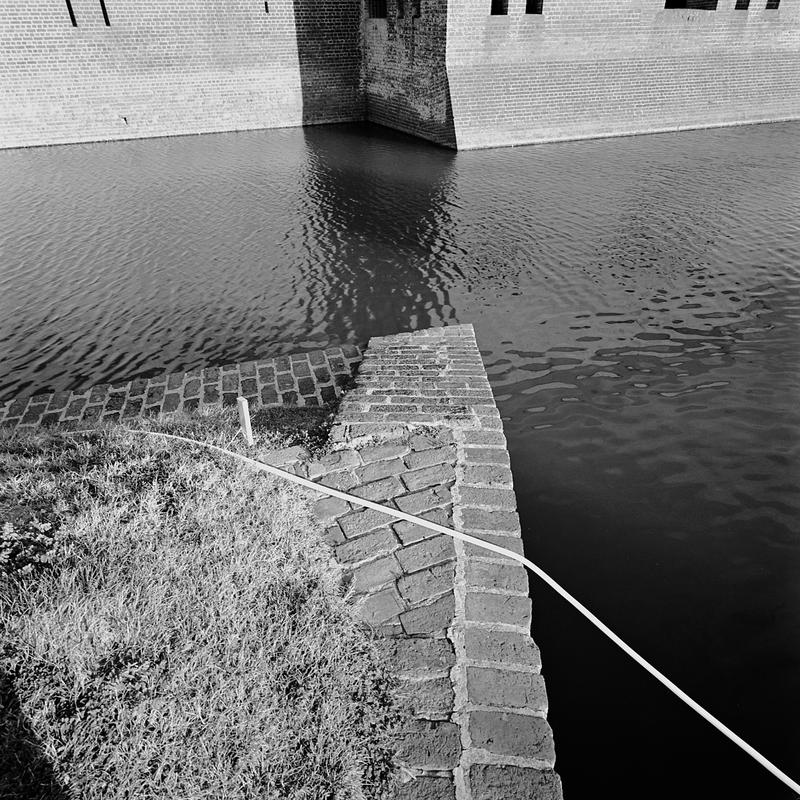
column 303, row 379
column 421, row 432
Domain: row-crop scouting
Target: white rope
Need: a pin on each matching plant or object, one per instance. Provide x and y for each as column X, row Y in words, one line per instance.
column 464, row 537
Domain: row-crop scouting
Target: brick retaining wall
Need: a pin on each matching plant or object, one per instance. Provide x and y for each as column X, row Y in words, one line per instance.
column 447, row 70
column 421, row 432
column 303, row 379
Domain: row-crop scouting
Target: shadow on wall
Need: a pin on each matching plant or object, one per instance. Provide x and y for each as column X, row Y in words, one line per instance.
column 329, row 50
column 25, row 772
column 405, row 71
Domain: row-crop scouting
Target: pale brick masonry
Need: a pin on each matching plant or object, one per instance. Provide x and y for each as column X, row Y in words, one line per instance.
column 304, row 379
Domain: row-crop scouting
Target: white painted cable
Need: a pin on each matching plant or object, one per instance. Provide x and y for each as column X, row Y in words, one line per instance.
column 464, row 537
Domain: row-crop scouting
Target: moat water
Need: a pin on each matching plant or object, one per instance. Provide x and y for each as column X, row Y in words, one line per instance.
column 637, row 301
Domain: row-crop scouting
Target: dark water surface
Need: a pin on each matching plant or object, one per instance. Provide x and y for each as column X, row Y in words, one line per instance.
column 637, row 301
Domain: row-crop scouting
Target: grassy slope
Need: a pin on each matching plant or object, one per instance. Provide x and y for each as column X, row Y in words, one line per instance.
column 172, row 627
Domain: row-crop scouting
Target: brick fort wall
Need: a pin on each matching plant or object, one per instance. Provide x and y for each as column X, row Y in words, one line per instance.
column 586, row 68
column 405, row 76
column 447, row 70
column 166, row 67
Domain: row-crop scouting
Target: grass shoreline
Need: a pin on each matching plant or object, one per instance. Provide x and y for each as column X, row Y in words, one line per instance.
column 172, row 624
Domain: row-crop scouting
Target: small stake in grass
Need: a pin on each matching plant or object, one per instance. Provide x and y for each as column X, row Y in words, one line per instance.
column 244, row 420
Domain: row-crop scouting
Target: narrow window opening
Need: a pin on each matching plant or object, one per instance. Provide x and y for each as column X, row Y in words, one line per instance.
column 376, row 9
column 416, row 9
column 72, row 15
column 773, row 4
column 697, row 5
column 105, row 13
column 534, row 7
column 742, row 5
column 499, row 6
column 266, row 6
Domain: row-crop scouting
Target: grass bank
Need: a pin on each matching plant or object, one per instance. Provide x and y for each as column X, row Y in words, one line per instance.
column 172, row 626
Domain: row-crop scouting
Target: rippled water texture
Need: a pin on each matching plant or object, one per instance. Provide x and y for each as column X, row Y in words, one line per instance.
column 638, row 304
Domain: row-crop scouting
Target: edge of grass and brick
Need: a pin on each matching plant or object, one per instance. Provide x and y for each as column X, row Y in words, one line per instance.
column 418, row 430
column 315, row 378
column 172, row 625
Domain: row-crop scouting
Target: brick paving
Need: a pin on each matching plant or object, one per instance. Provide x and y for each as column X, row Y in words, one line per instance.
column 302, row 379
column 421, row 432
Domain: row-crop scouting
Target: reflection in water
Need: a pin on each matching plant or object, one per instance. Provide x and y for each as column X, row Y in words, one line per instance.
column 638, row 305
column 369, row 213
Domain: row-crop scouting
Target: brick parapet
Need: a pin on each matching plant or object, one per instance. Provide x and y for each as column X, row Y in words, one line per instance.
column 420, row 432
column 304, row 379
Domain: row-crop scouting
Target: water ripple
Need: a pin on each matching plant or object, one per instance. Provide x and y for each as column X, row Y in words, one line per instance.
column 638, row 305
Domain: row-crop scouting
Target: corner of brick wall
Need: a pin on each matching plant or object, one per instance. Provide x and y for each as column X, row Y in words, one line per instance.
column 421, row 432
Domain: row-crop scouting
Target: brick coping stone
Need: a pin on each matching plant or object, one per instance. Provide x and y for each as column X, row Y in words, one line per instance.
column 303, row 379
column 420, row 431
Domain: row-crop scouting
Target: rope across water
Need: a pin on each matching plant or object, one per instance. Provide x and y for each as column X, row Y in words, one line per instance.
column 464, row 537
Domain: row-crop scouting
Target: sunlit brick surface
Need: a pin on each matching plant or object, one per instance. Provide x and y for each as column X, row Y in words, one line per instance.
column 609, row 67
column 420, row 432
column 167, row 67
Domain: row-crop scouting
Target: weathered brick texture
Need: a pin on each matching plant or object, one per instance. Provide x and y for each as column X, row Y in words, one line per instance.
column 405, row 76
column 420, row 430
column 581, row 68
column 452, row 73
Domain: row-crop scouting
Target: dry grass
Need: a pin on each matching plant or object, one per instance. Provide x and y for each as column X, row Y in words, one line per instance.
column 172, row 627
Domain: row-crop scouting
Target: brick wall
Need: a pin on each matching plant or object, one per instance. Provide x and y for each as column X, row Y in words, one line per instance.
column 405, row 78
column 421, row 432
column 605, row 67
column 167, row 67
column 329, row 54
column 455, row 74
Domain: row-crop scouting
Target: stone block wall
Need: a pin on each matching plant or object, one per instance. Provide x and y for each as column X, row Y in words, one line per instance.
column 420, row 432
column 167, row 67
column 303, row 379
column 587, row 68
